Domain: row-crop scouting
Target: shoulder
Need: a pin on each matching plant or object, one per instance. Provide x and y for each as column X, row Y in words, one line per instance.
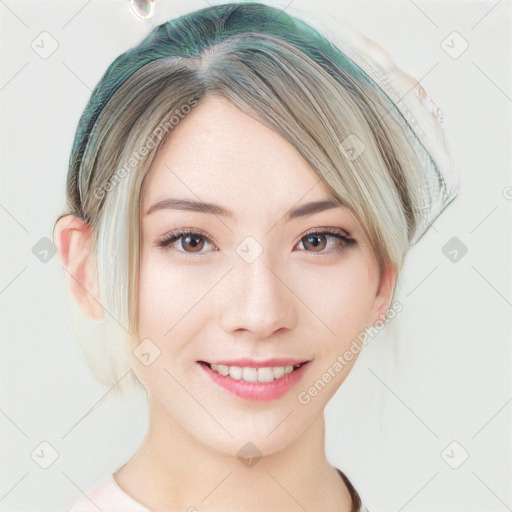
column 106, row 496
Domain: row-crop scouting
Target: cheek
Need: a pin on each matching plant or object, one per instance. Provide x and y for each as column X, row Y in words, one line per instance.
column 168, row 316
column 339, row 297
column 164, row 294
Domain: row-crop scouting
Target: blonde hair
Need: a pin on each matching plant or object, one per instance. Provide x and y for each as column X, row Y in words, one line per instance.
column 274, row 68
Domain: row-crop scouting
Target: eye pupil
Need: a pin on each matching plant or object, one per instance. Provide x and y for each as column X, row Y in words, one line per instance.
column 195, row 243
column 314, row 239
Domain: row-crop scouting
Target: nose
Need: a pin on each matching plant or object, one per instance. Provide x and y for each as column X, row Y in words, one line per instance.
column 256, row 299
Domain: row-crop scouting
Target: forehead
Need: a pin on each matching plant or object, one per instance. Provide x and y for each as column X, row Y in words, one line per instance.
column 219, row 154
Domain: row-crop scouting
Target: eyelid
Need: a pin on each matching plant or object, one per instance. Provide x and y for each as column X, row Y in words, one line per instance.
column 178, row 233
column 335, row 230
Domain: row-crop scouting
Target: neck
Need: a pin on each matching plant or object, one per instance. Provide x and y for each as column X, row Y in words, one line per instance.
column 172, row 470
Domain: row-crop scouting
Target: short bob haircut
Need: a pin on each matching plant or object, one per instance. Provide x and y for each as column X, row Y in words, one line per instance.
column 282, row 72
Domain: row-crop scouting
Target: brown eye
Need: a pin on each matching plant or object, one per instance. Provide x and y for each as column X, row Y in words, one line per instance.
column 196, row 243
column 315, row 241
column 187, row 242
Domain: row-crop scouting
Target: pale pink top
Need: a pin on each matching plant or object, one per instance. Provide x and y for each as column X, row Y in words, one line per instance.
column 107, row 496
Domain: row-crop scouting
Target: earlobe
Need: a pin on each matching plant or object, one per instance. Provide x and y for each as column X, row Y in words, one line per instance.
column 74, row 241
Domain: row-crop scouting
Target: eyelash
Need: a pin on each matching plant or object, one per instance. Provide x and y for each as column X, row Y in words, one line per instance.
column 174, row 236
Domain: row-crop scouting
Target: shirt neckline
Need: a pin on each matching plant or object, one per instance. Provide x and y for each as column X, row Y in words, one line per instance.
column 113, row 483
column 356, row 500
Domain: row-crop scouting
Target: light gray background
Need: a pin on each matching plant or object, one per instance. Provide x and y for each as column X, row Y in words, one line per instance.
column 389, row 424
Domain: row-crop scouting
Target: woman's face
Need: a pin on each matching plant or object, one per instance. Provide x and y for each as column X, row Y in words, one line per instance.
column 247, row 289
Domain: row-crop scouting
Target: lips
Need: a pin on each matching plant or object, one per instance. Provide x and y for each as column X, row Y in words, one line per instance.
column 256, row 380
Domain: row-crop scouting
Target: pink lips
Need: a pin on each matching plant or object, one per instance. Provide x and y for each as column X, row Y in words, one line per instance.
column 258, row 391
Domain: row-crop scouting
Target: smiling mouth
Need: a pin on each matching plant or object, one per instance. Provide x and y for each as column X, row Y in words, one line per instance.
column 251, row 374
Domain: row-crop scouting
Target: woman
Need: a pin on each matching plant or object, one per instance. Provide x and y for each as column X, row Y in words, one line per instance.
column 240, row 200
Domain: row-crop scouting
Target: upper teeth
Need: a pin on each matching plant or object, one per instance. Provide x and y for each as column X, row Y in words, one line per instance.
column 249, row 374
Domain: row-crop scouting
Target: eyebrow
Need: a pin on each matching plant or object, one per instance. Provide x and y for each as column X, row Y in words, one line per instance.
column 202, row 207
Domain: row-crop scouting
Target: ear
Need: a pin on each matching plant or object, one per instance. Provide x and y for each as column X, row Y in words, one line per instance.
column 384, row 294
column 74, row 241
